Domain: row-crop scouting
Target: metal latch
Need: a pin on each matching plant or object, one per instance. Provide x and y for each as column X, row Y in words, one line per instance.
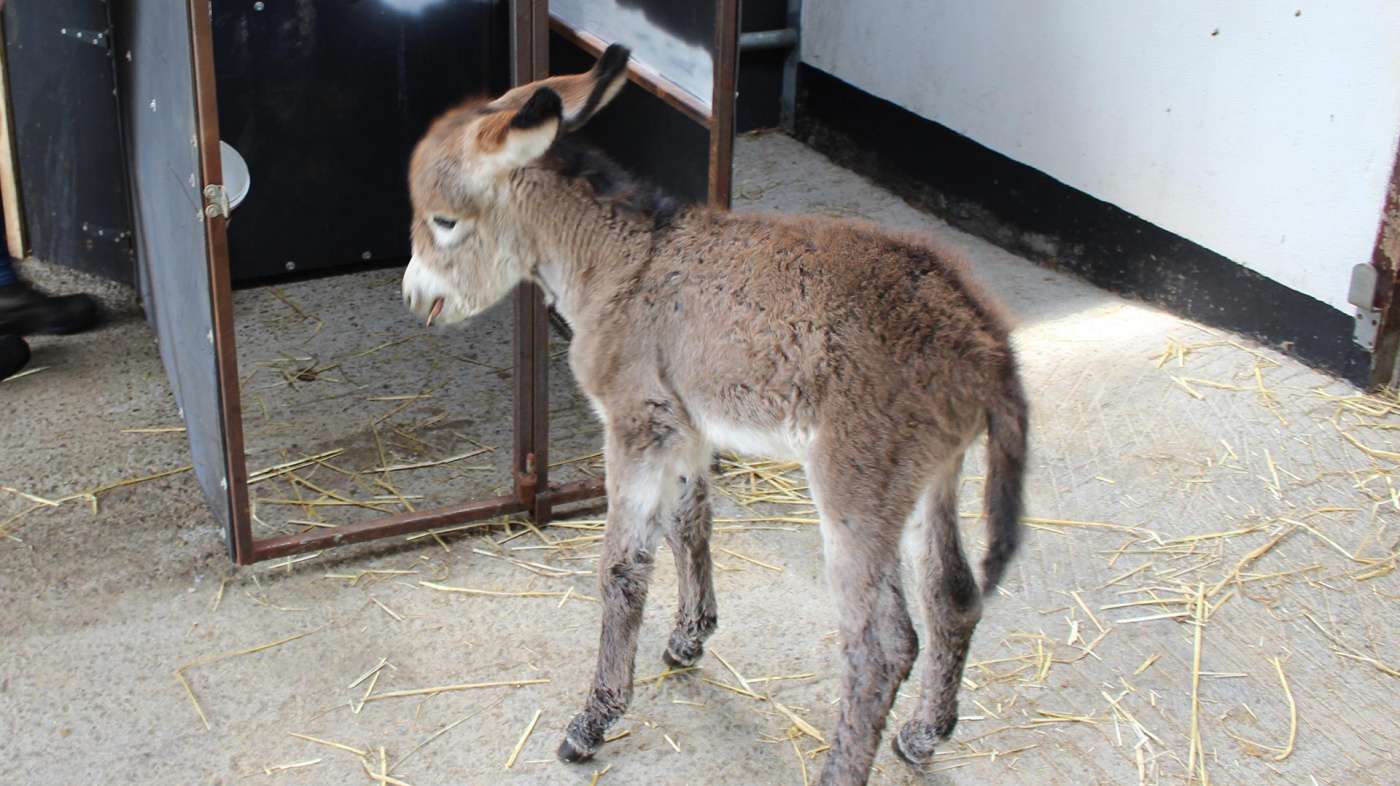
column 216, row 197
column 1365, row 281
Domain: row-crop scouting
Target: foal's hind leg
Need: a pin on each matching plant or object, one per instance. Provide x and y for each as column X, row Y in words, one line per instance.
column 878, row 644
column 952, row 606
column 689, row 538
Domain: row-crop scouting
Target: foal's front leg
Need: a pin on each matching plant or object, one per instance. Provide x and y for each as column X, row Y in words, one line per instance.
column 624, row 569
column 644, row 464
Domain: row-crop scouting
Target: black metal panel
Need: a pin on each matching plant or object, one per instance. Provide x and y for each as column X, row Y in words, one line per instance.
column 325, row 102
column 761, row 71
column 642, row 133
column 158, row 112
column 67, row 136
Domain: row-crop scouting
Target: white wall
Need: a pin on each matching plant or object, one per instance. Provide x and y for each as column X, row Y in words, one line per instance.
column 1270, row 141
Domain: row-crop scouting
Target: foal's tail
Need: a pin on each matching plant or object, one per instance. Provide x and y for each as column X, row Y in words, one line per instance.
column 1006, row 469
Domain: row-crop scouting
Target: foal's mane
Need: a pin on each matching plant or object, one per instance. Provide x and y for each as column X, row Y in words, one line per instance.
column 610, row 182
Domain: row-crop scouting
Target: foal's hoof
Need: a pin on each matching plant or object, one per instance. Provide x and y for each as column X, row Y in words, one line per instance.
column 916, row 741
column 573, row 755
column 686, row 659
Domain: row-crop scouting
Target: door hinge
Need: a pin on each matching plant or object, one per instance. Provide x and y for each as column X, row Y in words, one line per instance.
column 216, row 201
column 1365, row 281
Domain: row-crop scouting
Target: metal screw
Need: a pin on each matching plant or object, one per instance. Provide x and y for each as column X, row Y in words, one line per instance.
column 210, row 190
column 211, row 210
column 128, row 55
column 365, row 255
column 291, row 266
column 257, row 6
column 64, row 31
column 153, row 105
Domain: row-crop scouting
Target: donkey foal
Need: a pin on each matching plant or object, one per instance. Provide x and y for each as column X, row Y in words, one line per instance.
column 870, row 355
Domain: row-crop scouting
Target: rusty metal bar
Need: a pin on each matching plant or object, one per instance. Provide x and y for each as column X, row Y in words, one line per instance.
column 649, row 80
column 421, row 521
column 539, row 329
column 578, row 491
column 722, row 102
column 539, row 42
column 216, row 243
column 402, row 524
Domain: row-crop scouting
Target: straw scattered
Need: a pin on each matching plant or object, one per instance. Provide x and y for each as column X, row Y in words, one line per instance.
column 180, row 672
column 448, row 688
column 523, row 737
column 355, row 751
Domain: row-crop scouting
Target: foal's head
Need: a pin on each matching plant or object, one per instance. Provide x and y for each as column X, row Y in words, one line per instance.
column 464, row 255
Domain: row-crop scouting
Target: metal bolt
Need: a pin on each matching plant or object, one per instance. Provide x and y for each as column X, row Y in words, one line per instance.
column 365, row 255
column 291, row 266
column 257, row 6
column 210, row 336
column 64, row 31
column 211, row 210
column 210, row 190
column 153, row 105
column 128, row 55
column 223, row 483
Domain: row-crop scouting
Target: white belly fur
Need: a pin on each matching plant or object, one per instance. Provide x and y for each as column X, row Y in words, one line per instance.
column 785, row 442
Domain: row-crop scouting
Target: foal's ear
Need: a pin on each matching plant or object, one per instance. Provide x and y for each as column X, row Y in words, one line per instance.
column 513, row 139
column 604, row 81
column 581, row 95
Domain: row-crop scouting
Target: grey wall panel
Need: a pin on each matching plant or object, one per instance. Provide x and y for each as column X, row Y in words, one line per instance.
column 158, row 109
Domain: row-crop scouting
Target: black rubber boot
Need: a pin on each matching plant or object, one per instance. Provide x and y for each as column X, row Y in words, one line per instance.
column 14, row 353
column 25, row 311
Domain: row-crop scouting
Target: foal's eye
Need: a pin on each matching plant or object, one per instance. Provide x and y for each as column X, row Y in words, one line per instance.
column 445, row 223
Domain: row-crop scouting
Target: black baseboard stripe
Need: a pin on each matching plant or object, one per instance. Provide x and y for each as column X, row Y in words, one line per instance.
column 1030, row 213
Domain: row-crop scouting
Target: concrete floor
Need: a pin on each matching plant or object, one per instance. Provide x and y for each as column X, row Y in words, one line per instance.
column 1219, row 465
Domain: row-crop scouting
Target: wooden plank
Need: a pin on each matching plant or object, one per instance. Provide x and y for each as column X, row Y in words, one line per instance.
column 9, row 164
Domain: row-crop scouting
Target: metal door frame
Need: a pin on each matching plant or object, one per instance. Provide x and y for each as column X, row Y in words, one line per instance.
column 533, row 494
